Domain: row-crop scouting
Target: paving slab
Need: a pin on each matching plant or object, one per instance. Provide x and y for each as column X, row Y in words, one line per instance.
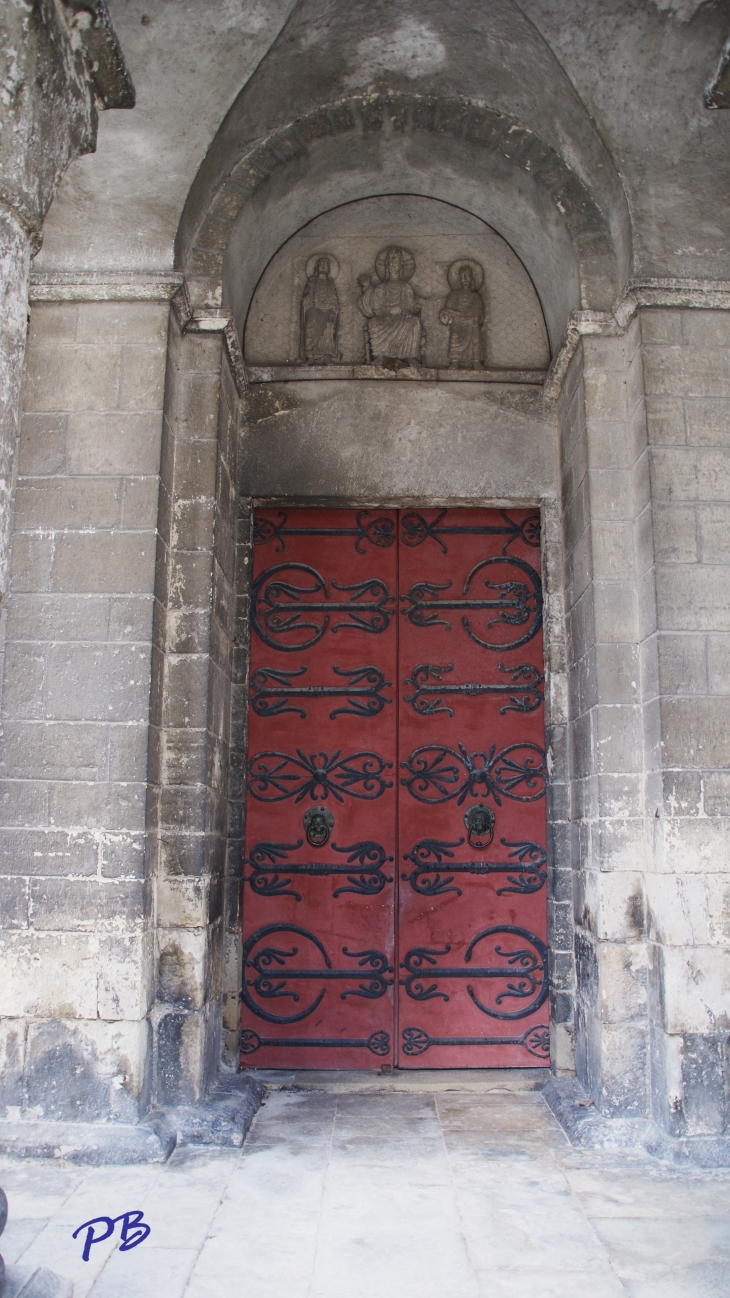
column 423, row 1186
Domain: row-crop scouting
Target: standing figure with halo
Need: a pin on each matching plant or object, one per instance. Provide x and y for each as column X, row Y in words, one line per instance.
column 320, row 312
column 391, row 308
column 463, row 312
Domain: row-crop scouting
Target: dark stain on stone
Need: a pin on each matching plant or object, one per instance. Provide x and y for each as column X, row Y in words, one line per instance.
column 63, row 1077
column 635, row 914
column 176, row 975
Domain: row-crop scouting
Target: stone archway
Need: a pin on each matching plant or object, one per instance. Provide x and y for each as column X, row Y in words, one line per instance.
column 488, row 139
column 365, row 443
column 289, row 151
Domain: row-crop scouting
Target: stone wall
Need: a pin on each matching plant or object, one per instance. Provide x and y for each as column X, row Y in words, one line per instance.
column 610, row 622
column 122, row 973
column 75, row 935
column 646, row 498
column 58, row 65
column 687, row 375
column 191, row 715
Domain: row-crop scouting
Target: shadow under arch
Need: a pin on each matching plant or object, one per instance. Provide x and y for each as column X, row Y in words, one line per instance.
column 474, row 157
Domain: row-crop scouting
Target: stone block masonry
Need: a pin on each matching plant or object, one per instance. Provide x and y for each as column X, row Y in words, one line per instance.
column 190, row 714
column 686, row 358
column 609, row 603
column 645, row 497
column 74, row 906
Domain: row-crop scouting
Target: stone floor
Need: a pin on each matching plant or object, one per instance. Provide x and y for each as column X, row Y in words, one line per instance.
column 387, row 1187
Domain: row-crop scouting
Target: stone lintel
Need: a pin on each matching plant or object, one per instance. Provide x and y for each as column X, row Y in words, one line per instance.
column 400, row 371
column 104, row 286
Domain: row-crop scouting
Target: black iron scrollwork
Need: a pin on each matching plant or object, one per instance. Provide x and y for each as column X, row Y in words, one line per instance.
column 272, row 691
column 427, row 697
column 378, row 1042
column 286, row 598
column 275, row 776
column 363, row 870
column 437, row 773
column 415, row 530
column 517, row 602
column 273, row 975
column 536, row 1041
column 378, row 531
column 525, row 972
column 525, row 874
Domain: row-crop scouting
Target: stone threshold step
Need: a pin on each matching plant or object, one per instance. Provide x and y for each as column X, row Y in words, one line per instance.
column 417, row 1080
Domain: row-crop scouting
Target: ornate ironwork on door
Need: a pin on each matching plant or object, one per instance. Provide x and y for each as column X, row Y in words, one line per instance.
column 429, row 689
column 379, row 530
column 434, row 869
column 437, row 773
column 519, row 967
column 274, row 776
column 272, row 971
column 415, row 529
column 376, row 634
column 513, row 593
column 363, row 869
column 292, row 606
column 273, row 691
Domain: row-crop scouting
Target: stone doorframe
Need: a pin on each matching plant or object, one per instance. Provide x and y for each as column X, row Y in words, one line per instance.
column 198, row 722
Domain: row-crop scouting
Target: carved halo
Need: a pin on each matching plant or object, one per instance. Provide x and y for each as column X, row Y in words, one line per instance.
column 408, row 261
column 476, row 270
column 319, row 256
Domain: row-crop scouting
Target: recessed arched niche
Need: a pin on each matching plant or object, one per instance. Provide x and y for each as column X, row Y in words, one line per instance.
column 436, row 238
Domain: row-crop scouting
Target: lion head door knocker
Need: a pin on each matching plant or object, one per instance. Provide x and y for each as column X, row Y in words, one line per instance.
column 479, row 821
column 318, row 825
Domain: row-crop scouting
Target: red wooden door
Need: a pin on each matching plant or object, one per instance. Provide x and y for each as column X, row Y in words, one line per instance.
column 472, row 916
column 395, row 833
column 318, row 903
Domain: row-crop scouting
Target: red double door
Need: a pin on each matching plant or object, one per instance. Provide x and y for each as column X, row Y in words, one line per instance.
column 394, row 904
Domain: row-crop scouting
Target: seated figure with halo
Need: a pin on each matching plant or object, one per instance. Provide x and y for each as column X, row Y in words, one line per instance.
column 393, row 329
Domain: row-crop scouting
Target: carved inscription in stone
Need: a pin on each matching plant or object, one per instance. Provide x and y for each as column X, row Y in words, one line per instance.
column 393, row 330
column 463, row 313
column 320, row 312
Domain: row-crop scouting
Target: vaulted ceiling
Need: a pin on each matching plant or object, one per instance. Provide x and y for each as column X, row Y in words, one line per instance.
column 622, row 106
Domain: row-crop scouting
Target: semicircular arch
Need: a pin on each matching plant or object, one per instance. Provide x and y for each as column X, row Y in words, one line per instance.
column 452, row 149
column 438, row 238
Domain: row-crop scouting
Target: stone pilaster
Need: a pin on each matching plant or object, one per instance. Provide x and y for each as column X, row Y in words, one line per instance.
column 58, row 62
column 611, row 624
column 14, row 274
column 686, row 355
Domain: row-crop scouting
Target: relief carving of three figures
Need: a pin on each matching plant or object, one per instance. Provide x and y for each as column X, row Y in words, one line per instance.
column 392, row 311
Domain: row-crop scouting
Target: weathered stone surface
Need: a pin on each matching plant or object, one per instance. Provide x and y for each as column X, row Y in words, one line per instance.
column 80, row 658
column 88, row 1142
column 35, row 1282
column 514, row 331
column 57, row 67
column 126, row 965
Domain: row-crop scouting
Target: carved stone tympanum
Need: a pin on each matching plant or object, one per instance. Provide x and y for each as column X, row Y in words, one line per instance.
column 463, row 313
column 320, row 312
column 391, row 308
